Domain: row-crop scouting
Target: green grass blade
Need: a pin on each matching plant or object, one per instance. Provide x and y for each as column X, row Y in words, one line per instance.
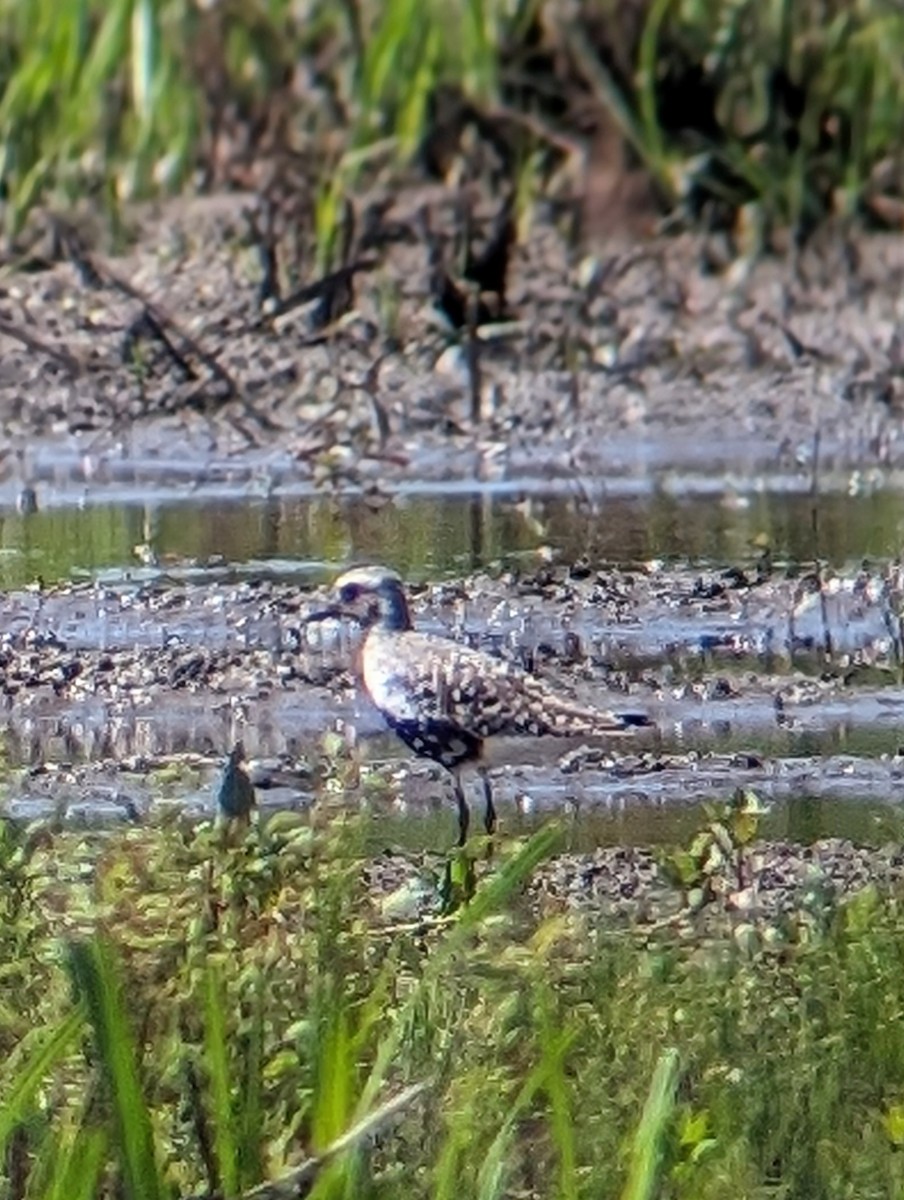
column 216, row 1059
column 78, row 1162
column 478, row 39
column 445, row 1179
column 649, row 115
column 397, row 26
column 501, row 887
column 109, row 47
column 554, row 1049
column 335, row 1078
column 96, row 976
column 647, row 1148
column 489, row 898
column 252, row 1113
column 412, row 110
column 144, row 60
column 491, row 1179
column 38, row 1063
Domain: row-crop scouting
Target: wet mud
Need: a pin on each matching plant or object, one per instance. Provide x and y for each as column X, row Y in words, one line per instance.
column 619, row 367
column 111, row 692
column 661, row 488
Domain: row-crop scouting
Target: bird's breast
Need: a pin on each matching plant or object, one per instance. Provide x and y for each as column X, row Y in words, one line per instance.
column 387, row 676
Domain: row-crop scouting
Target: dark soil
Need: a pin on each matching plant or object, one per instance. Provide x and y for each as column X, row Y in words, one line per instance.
column 160, row 365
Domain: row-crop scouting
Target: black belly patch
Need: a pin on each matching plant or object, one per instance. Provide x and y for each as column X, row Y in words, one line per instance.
column 443, row 741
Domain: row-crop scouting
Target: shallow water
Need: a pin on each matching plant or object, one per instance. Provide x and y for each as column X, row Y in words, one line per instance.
column 829, row 761
column 803, row 819
column 430, row 535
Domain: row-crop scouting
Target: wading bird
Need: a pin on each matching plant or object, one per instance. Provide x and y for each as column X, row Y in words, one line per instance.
column 444, row 699
column 235, row 798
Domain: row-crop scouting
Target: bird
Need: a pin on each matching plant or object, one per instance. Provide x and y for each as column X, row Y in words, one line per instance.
column 444, row 699
column 236, row 798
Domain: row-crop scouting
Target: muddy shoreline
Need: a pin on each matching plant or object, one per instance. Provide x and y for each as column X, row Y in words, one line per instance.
column 625, row 885
column 617, row 366
column 622, row 373
column 109, row 689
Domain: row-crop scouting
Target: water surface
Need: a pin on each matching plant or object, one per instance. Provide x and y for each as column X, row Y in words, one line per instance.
column 429, row 534
column 432, row 535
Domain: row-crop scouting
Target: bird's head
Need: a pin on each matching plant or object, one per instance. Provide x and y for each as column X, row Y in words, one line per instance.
column 372, row 596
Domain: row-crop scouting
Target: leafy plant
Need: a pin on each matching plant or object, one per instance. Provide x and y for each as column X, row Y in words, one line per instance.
column 717, row 855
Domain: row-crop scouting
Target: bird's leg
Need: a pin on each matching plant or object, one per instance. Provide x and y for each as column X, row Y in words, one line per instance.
column 464, row 813
column 489, row 812
column 459, row 879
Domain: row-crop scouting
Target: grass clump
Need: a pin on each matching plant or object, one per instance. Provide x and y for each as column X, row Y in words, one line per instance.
column 143, row 96
column 785, row 112
column 208, row 1015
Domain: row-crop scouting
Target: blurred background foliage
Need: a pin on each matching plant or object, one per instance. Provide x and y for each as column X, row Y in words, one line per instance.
column 780, row 112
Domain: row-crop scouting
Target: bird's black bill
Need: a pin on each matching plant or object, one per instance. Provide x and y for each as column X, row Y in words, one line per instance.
column 332, row 613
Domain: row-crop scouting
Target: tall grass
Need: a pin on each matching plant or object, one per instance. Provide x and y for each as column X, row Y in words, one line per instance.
column 238, row 1016
column 789, row 107
column 99, row 984
column 129, row 97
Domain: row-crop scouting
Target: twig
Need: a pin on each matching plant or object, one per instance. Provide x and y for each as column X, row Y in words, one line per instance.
column 370, row 385
column 473, row 355
column 298, row 1183
column 63, row 358
column 147, row 325
column 99, row 273
column 424, row 925
column 319, row 288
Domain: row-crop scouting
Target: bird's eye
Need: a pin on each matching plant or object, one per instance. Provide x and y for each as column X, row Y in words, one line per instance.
column 349, row 593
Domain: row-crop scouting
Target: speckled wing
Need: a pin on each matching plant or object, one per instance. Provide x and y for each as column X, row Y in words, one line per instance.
column 423, row 678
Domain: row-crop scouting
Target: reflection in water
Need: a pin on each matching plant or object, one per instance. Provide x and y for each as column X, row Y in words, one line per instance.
column 477, row 511
column 292, row 723
column 805, row 820
column 136, row 759
column 431, row 535
column 860, row 820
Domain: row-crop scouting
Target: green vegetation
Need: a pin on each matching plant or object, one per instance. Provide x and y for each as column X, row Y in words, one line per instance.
column 190, row 1012
column 787, row 111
